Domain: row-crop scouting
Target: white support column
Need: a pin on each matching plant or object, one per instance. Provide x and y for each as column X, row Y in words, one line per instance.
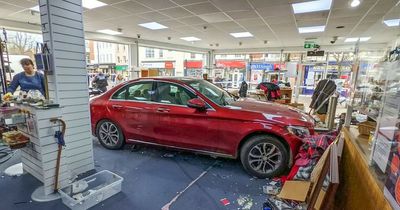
column 134, row 60
column 63, row 32
column 211, row 60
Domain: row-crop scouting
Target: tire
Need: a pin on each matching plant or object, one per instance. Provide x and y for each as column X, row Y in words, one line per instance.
column 256, row 163
column 110, row 135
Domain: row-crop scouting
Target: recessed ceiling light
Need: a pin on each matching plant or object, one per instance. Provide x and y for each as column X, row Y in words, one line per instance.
column 241, row 34
column 109, row 31
column 91, row 4
column 153, row 26
column 355, row 3
column 312, row 6
column 355, row 39
column 35, row 8
column 392, row 22
column 311, row 29
column 190, row 38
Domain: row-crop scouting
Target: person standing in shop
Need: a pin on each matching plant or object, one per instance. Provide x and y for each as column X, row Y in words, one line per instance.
column 243, row 89
column 100, row 81
column 119, row 79
column 29, row 79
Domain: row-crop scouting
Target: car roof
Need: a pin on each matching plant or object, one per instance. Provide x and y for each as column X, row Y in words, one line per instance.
column 171, row 79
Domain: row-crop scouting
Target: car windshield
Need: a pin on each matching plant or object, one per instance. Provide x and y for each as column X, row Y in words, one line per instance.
column 212, row 92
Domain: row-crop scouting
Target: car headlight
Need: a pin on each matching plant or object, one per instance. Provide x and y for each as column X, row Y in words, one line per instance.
column 298, row 131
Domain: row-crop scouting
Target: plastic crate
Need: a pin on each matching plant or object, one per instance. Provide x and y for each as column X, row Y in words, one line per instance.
column 101, row 186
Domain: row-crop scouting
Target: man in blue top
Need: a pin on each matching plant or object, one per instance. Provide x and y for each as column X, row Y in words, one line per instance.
column 30, row 79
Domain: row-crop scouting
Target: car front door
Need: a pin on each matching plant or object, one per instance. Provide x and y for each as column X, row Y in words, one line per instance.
column 135, row 108
column 177, row 124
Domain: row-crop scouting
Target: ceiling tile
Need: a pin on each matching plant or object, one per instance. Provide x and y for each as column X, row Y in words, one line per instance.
column 186, row 2
column 252, row 23
column 132, row 7
column 22, row 4
column 231, row 5
column 127, row 20
column 314, row 22
column 176, row 12
column 202, row 8
column 263, row 3
column 105, row 12
column 154, row 16
column 172, row 23
column 344, row 20
column 215, row 17
column 112, row 1
column 237, row 15
column 193, row 20
column 229, row 26
column 276, row 11
column 311, row 16
column 157, row 4
column 279, row 20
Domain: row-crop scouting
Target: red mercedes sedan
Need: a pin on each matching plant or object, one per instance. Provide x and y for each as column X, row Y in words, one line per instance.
column 195, row 115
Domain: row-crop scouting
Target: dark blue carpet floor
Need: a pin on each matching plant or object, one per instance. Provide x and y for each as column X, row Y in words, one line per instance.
column 151, row 180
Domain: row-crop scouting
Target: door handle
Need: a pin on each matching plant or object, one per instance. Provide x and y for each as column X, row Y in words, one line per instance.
column 163, row 110
column 117, row 107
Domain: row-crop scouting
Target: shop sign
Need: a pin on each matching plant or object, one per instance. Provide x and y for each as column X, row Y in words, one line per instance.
column 278, row 66
column 169, row 65
column 316, row 53
column 121, row 67
column 261, row 66
column 155, row 65
column 193, row 64
column 231, row 64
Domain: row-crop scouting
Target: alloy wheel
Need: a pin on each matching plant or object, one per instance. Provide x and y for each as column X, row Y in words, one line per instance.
column 109, row 134
column 265, row 158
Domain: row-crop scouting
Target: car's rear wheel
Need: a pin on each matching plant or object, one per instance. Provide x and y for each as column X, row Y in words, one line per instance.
column 264, row 156
column 110, row 135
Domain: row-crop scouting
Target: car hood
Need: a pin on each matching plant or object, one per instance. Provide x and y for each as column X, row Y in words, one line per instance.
column 274, row 112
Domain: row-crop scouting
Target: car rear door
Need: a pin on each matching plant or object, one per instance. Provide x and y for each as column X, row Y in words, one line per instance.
column 134, row 109
column 177, row 124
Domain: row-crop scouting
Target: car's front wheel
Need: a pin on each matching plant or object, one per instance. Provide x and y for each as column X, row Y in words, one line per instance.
column 264, row 156
column 109, row 135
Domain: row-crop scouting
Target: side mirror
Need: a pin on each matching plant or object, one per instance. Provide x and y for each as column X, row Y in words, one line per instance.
column 197, row 103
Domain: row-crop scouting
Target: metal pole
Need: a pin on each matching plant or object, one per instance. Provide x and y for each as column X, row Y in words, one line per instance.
column 280, row 65
column 326, row 66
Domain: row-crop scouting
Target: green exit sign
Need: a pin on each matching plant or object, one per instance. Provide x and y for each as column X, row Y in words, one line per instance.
column 308, row 45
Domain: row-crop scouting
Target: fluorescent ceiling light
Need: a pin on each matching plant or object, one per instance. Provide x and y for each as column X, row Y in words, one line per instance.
column 311, row 29
column 312, row 6
column 190, row 38
column 153, row 26
column 109, row 31
column 35, row 8
column 88, row 4
column 355, row 39
column 364, row 39
column 392, row 22
column 241, row 34
column 355, row 3
column 91, row 4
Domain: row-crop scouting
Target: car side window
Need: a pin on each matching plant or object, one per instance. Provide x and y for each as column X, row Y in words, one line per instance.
column 135, row 92
column 120, row 94
column 169, row 93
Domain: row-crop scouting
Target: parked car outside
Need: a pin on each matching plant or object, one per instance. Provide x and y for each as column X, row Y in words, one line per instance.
column 195, row 115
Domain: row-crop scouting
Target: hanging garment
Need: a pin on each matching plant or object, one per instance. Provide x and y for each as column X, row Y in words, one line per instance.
column 271, row 90
column 324, row 90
